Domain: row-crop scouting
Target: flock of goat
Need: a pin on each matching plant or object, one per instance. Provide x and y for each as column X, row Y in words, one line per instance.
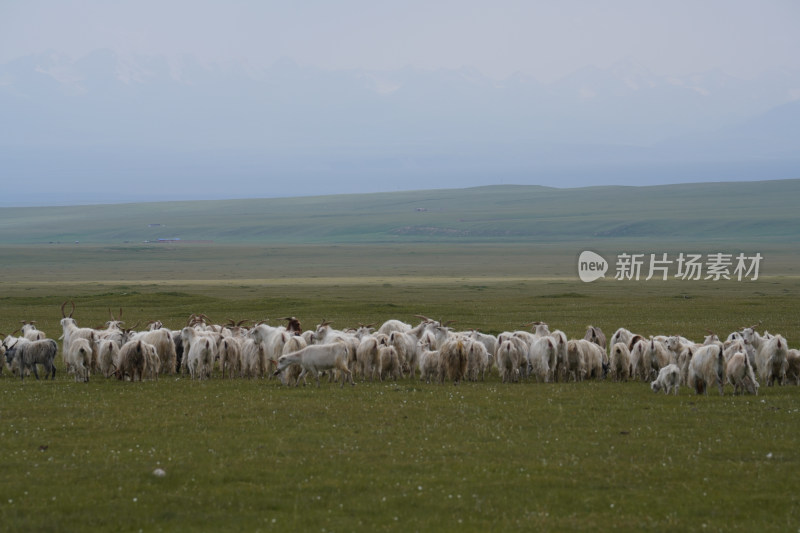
column 431, row 350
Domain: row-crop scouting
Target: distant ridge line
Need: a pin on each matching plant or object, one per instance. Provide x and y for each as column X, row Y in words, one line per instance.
column 711, row 211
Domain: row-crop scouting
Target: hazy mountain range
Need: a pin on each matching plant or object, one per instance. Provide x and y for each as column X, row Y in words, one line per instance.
column 111, row 128
column 740, row 214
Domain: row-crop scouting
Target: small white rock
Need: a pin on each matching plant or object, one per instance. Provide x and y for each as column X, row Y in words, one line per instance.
column 159, row 472
column 769, row 455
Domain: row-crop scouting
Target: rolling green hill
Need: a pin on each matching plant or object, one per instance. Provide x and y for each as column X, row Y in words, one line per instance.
column 762, row 211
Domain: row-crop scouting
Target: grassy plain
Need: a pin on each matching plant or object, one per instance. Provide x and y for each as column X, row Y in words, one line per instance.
column 248, row 455
column 763, row 212
column 251, row 455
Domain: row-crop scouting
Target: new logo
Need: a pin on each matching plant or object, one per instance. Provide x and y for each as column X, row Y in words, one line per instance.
column 591, row 266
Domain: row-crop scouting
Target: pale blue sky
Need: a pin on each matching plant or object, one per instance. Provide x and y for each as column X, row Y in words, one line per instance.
column 678, row 90
column 544, row 39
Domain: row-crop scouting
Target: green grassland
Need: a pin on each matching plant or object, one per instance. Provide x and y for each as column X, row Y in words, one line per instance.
column 252, row 455
column 764, row 211
column 248, row 455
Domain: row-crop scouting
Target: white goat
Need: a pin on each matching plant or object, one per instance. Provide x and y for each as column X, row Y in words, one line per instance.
column 560, row 340
column 669, row 378
column 658, row 355
column 540, row 329
column 275, row 349
column 428, row 363
column 752, row 337
column 620, row 365
column 132, row 361
column 525, row 340
column 640, row 360
column 165, row 347
column 367, row 356
column 681, row 351
column 389, row 362
column 318, row 358
column 542, row 357
column 756, row 341
column 326, row 335
column 596, row 336
column 72, row 331
column 772, row 360
column 265, row 334
column 406, row 346
column 793, row 366
column 711, row 338
column 624, row 336
column 292, row 372
column 107, row 356
column 30, row 332
column 79, row 358
column 199, row 348
column 477, row 360
column 152, row 362
column 230, row 356
column 508, row 359
column 489, row 341
column 594, row 359
column 200, row 359
column 576, row 361
column 740, row 374
column 426, row 325
column 394, row 325
column 516, row 358
column 675, row 346
column 707, row 368
column 254, row 359
column 453, row 360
